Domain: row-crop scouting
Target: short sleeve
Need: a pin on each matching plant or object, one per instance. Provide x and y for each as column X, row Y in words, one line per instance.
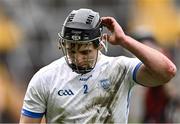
column 34, row 101
column 132, row 65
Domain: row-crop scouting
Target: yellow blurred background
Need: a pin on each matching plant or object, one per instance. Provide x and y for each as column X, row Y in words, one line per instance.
column 161, row 16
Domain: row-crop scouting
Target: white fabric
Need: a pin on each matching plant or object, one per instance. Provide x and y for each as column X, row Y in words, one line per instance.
column 99, row 96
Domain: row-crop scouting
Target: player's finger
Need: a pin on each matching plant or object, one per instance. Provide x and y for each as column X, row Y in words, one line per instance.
column 107, row 22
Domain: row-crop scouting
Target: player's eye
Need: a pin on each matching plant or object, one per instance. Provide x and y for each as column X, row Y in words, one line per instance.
column 71, row 51
column 85, row 52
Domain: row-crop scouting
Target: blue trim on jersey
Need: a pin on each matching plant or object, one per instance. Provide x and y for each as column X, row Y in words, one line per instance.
column 135, row 71
column 31, row 114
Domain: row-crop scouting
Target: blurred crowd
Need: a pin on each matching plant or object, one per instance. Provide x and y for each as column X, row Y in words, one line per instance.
column 28, row 41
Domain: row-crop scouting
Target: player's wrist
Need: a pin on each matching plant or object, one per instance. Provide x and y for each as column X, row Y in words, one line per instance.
column 122, row 40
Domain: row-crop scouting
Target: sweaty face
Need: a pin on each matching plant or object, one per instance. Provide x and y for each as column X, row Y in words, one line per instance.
column 81, row 55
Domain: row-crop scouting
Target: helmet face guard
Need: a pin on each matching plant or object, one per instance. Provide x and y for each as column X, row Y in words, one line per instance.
column 88, row 61
column 81, row 33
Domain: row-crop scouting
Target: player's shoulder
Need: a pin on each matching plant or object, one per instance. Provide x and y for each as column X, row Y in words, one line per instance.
column 53, row 67
column 46, row 75
column 119, row 61
column 116, row 59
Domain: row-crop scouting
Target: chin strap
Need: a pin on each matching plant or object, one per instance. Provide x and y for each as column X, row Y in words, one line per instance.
column 104, row 42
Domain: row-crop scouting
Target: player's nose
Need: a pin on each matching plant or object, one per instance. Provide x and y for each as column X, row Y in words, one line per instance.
column 80, row 59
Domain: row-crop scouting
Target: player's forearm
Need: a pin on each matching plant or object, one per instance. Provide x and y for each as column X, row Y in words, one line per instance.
column 156, row 63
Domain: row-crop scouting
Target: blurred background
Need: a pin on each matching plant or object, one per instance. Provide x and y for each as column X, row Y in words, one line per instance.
column 28, row 41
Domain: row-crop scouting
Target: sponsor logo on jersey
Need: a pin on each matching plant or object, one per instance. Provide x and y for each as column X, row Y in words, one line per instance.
column 65, row 92
column 85, row 78
column 105, row 83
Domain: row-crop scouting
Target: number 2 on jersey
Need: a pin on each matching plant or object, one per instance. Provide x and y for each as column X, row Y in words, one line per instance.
column 85, row 87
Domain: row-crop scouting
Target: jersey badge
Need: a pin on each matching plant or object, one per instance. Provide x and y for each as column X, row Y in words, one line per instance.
column 105, row 83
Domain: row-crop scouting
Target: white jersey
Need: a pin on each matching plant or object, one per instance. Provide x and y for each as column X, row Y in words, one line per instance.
column 100, row 96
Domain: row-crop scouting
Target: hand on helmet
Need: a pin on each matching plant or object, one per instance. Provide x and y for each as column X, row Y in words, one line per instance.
column 117, row 34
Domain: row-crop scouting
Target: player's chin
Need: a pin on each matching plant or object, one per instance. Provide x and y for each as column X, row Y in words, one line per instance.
column 84, row 66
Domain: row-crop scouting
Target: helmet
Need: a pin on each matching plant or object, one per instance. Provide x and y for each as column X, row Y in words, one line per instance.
column 82, row 26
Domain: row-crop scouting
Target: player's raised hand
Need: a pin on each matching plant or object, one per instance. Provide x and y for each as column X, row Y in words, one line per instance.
column 117, row 35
